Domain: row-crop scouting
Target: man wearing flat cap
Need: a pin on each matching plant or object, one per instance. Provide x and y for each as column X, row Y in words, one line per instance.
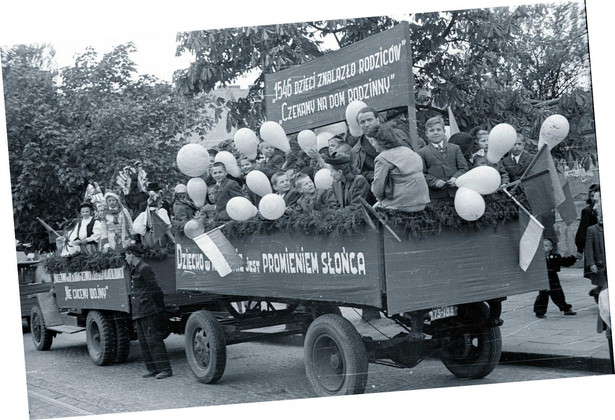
column 148, row 314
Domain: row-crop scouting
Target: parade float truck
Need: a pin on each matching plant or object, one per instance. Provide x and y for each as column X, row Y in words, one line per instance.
column 294, row 281
column 429, row 274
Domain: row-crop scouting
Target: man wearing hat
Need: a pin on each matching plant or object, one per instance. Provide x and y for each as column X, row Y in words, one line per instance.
column 154, row 198
column 148, row 314
column 88, row 231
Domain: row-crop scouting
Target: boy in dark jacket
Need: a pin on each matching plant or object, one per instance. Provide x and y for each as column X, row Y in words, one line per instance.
column 554, row 263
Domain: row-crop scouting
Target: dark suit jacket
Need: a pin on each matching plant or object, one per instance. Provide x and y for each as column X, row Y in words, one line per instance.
column 348, row 195
column 273, row 165
column 515, row 170
column 290, row 197
column 442, row 165
column 228, row 189
column 594, row 254
column 146, row 297
column 588, row 218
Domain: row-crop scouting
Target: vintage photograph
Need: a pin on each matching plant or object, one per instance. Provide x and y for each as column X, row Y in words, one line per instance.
column 206, row 215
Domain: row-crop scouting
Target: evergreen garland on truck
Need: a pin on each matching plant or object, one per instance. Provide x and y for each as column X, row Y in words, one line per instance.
column 439, row 215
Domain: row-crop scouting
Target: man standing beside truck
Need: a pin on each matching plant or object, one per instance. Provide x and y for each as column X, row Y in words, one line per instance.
column 148, row 314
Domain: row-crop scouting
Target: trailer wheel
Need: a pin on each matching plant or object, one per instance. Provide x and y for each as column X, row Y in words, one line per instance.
column 205, row 347
column 475, row 348
column 101, row 338
column 41, row 336
column 123, row 331
column 335, row 357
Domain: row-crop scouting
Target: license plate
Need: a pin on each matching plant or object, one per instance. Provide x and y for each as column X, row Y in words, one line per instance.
column 443, row 312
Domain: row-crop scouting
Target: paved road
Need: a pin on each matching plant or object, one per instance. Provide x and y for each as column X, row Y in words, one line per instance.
column 64, row 382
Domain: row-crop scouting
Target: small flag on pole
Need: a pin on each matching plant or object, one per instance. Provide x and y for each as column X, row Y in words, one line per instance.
column 567, row 210
column 454, row 128
column 530, row 239
column 544, row 162
column 219, row 250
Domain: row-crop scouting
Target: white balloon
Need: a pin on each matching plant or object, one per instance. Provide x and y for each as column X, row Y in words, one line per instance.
column 307, row 140
column 258, row 183
column 553, row 130
column 240, row 209
column 469, row 204
column 502, row 138
column 323, row 180
column 322, row 140
column 193, row 160
column 197, row 190
column 246, row 142
column 274, row 134
column 194, row 228
column 482, row 179
column 352, row 110
column 229, row 162
column 272, row 206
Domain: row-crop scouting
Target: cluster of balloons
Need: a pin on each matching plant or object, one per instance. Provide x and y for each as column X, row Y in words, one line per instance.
column 484, row 180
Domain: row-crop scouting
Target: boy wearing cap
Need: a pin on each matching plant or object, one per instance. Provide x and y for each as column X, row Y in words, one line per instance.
column 148, row 314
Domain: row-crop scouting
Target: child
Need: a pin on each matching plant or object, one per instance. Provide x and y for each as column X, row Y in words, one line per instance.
column 273, row 160
column 443, row 162
column 224, row 189
column 595, row 257
column 281, row 185
column 479, row 158
column 312, row 199
column 554, row 263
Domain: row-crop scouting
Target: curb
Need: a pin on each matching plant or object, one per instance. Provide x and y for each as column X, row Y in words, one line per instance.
column 587, row 364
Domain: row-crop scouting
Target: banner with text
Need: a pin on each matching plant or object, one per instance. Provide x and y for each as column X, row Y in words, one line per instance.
column 106, row 289
column 289, row 266
column 376, row 70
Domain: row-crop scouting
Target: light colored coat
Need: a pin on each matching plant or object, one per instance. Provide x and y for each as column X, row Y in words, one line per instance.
column 405, row 167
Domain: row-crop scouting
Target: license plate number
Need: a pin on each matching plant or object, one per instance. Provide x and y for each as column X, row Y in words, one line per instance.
column 443, row 312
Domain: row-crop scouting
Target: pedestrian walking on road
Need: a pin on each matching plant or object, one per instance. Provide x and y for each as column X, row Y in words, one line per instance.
column 554, row 263
column 595, row 256
column 148, row 314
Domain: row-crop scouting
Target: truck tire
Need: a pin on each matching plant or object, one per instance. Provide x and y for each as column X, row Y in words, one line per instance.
column 335, row 357
column 41, row 336
column 101, row 337
column 205, row 347
column 475, row 348
column 123, row 332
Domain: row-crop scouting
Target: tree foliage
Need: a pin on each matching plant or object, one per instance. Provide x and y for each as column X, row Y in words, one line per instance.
column 489, row 65
column 85, row 122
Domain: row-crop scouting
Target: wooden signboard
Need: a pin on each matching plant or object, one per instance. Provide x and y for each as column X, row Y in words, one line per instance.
column 376, row 70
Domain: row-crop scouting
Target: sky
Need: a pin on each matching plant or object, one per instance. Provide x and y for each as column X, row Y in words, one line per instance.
column 72, row 25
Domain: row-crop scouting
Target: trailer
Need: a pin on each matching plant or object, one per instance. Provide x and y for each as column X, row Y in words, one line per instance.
column 442, row 280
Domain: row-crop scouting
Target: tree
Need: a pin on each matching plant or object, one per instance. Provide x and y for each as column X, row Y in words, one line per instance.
column 84, row 123
column 488, row 65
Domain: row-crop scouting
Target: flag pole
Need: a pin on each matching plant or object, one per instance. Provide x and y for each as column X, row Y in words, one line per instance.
column 530, row 166
column 526, row 211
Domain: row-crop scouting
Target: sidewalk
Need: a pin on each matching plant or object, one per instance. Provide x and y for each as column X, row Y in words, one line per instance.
column 557, row 340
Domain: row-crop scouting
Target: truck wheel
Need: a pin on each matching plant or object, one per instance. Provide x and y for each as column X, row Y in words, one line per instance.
column 205, row 347
column 335, row 357
column 475, row 349
column 41, row 336
column 101, row 338
column 123, row 330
